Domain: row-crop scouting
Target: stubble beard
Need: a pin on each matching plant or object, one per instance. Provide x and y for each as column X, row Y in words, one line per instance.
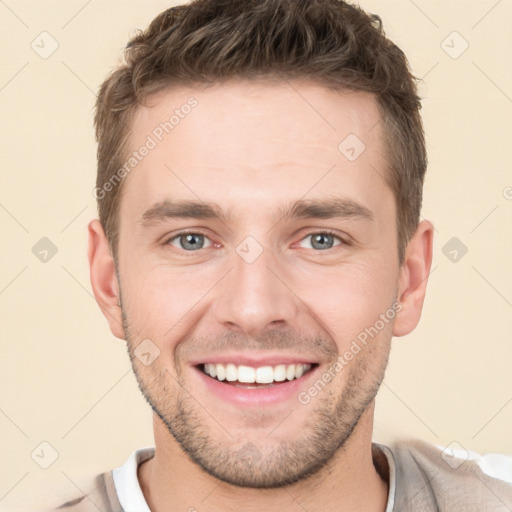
column 266, row 462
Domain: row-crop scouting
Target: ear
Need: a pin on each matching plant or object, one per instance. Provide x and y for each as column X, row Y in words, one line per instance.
column 103, row 278
column 412, row 283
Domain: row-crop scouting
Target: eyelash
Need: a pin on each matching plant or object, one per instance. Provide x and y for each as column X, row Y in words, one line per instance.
column 316, row 232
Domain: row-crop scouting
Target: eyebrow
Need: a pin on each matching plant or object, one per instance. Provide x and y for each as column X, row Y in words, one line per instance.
column 301, row 209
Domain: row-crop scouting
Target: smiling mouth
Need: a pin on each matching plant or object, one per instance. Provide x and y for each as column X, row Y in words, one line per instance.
column 249, row 377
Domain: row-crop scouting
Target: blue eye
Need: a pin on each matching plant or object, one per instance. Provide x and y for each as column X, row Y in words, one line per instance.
column 323, row 240
column 192, row 241
column 189, row 241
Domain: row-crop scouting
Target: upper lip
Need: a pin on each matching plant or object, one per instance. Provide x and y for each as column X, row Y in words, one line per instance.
column 254, row 360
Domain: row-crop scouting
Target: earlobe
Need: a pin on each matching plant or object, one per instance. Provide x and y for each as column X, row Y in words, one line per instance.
column 103, row 278
column 413, row 278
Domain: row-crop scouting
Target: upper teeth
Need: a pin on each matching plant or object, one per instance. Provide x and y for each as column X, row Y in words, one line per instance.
column 262, row 374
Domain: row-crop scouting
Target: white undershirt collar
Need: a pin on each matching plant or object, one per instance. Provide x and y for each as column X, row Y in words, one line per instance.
column 132, row 499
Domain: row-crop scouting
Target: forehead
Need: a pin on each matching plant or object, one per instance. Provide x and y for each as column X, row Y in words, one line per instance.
column 298, row 114
column 272, row 142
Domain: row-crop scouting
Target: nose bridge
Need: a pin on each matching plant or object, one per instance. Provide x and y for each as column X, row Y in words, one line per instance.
column 253, row 297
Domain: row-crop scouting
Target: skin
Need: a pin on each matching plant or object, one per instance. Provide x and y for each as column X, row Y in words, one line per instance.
column 252, row 147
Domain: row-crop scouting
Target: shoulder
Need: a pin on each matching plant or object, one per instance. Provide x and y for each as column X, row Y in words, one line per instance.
column 100, row 495
column 428, row 477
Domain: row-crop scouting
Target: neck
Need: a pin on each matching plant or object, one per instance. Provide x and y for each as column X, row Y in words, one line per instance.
column 349, row 482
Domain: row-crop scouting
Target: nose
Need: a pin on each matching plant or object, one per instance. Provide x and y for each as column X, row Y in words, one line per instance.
column 255, row 297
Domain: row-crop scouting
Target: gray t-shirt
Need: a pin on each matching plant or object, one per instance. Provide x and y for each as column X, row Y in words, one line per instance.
column 421, row 479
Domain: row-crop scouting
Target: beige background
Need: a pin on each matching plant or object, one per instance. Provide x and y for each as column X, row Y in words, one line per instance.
column 67, row 381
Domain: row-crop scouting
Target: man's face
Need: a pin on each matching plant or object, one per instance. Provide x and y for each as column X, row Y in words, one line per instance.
column 254, row 287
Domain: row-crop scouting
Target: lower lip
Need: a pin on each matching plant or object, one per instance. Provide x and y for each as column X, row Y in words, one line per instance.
column 258, row 396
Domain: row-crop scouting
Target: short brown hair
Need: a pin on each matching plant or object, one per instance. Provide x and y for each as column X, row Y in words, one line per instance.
column 328, row 41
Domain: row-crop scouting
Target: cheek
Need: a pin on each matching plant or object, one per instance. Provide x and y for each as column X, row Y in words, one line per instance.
column 162, row 300
column 348, row 299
